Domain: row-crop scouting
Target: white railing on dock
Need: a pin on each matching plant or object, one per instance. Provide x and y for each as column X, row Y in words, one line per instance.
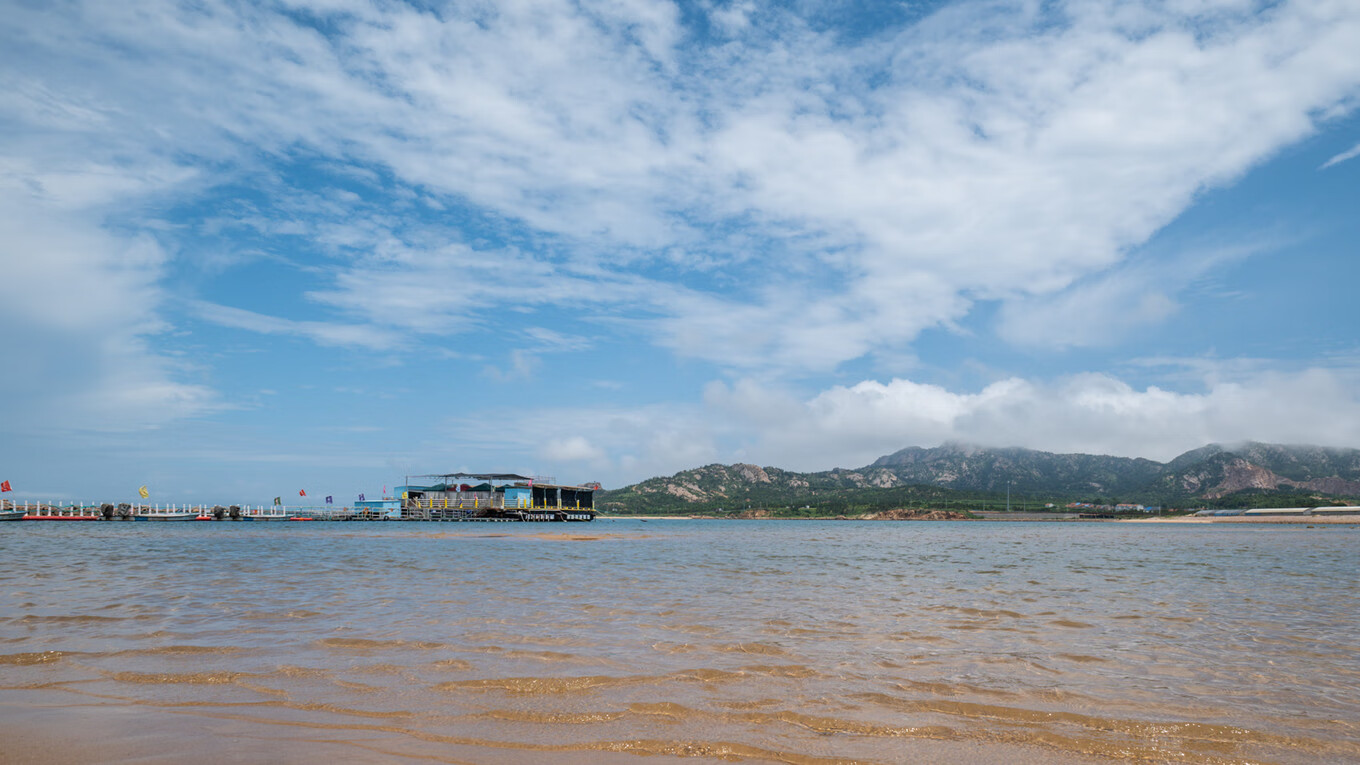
column 482, row 502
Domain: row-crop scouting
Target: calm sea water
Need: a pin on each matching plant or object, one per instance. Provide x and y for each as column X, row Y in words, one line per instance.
column 800, row 642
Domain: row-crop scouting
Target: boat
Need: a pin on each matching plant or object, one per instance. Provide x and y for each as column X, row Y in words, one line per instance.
column 11, row 515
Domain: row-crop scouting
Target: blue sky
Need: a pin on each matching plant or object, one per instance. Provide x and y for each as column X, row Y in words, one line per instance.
column 251, row 248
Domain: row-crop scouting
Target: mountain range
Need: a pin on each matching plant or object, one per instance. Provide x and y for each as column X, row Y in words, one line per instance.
column 1251, row 473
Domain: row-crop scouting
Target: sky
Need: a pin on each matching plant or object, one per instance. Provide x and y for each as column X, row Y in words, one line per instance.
column 254, row 248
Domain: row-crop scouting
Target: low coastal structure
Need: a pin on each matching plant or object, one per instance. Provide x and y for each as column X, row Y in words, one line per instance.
column 509, row 496
column 387, row 508
column 1281, row 512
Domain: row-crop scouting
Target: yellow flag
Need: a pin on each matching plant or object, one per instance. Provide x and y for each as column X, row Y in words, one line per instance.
column 142, row 491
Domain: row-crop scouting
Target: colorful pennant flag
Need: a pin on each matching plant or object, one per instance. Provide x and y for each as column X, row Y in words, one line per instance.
column 328, row 499
column 4, row 486
column 302, row 492
column 361, row 498
column 278, row 500
column 143, row 493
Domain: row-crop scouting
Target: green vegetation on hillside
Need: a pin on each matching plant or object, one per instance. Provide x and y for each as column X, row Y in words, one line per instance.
column 959, row 478
column 1254, row 498
column 782, row 502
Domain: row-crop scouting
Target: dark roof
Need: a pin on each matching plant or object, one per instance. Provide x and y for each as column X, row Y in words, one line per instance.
column 478, row 476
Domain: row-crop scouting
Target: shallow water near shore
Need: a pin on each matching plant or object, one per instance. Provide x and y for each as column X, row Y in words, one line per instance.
column 799, row 642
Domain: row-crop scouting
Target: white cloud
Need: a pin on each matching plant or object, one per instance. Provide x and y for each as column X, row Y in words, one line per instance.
column 572, row 449
column 850, row 426
column 323, row 333
column 1089, row 413
column 593, row 443
column 1107, row 308
column 551, row 340
column 1005, row 150
column 836, row 198
column 1350, row 153
column 733, row 18
column 520, row 365
column 1014, row 166
column 453, row 288
column 80, row 309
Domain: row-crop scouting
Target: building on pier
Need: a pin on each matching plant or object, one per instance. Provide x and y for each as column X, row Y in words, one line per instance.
column 451, row 496
column 377, row 509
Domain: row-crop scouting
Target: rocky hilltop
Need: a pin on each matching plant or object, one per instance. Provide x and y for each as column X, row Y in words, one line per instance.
column 918, row 477
column 960, row 466
column 1217, row 471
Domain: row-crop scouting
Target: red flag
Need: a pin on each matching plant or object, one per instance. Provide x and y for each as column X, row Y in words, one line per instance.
column 302, row 492
column 4, row 486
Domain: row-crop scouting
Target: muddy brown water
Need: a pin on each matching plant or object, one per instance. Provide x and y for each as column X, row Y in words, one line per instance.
column 679, row 641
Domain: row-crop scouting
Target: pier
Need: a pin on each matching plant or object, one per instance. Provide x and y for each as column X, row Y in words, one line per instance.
column 53, row 511
column 496, row 498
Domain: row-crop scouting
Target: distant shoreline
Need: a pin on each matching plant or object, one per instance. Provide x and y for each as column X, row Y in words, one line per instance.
column 1294, row 519
column 1330, row 520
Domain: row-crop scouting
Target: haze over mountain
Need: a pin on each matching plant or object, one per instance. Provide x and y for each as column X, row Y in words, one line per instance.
column 955, row 471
